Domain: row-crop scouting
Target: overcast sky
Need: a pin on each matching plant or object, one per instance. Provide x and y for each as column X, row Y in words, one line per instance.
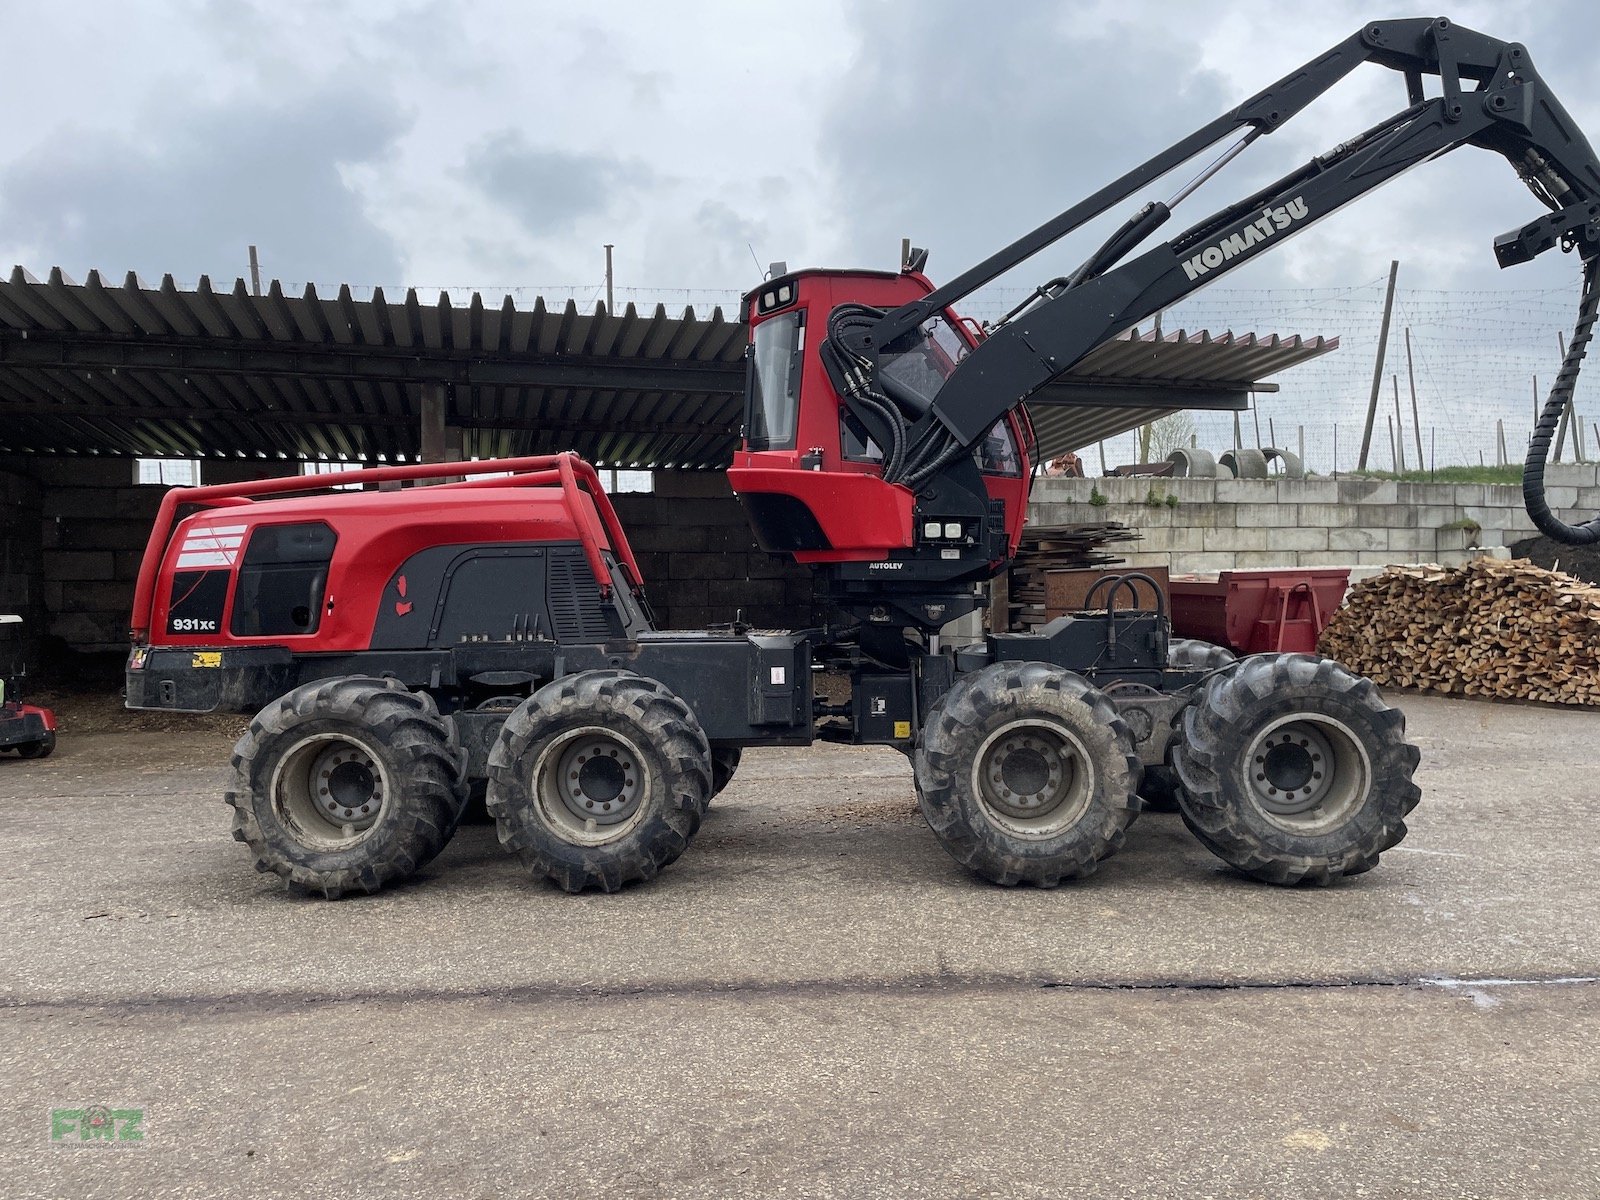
column 500, row 144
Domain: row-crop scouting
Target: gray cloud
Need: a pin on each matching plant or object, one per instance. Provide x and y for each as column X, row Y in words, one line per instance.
column 207, row 183
column 549, row 190
column 963, row 134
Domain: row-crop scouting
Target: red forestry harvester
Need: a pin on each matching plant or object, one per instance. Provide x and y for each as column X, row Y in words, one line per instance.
column 400, row 645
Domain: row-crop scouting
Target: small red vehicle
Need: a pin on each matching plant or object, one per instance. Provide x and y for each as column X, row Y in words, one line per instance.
column 25, row 728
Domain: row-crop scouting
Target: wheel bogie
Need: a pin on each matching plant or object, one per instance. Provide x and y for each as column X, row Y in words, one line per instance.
column 1026, row 774
column 599, row 780
column 346, row 785
column 1294, row 770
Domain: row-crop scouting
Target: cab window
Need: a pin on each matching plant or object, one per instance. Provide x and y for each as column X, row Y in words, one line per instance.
column 282, row 580
column 997, row 453
column 773, row 404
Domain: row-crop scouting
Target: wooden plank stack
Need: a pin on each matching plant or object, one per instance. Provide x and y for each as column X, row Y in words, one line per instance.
column 1047, row 548
column 1505, row 630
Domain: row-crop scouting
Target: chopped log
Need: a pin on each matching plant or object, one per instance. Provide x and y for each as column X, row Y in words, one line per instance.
column 1503, row 630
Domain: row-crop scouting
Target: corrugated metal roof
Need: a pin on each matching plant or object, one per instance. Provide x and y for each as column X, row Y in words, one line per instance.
column 130, row 369
column 1142, row 376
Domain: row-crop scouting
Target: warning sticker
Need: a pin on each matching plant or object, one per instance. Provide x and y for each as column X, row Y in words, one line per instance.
column 206, row 658
column 902, row 729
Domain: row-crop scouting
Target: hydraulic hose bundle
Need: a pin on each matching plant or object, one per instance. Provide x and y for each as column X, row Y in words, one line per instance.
column 849, row 362
column 1560, row 398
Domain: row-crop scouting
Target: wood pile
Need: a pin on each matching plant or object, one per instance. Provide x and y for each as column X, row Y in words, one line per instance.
column 1048, row 548
column 1506, row 630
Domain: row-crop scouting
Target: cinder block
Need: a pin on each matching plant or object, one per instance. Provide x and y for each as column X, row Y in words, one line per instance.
column 1251, row 560
column 668, row 539
column 1192, row 491
column 1220, row 541
column 1384, row 557
column 1297, row 539
column 1368, row 491
column 1412, row 541
column 730, row 538
column 1351, row 540
column 1570, row 474
column 1186, row 539
column 1245, row 491
column 1392, row 516
column 1267, row 516
column 1325, row 558
column 1469, row 493
column 745, row 592
column 696, row 484
column 686, row 593
column 1561, row 497
column 1328, row 516
column 1307, row 491
column 79, row 565
column 1202, row 563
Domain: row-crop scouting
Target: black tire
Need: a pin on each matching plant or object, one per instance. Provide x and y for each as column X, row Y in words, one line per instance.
column 724, row 762
column 1278, row 818
column 624, row 822
column 1191, row 654
column 1005, row 728
column 43, row 748
column 1160, row 787
column 372, row 743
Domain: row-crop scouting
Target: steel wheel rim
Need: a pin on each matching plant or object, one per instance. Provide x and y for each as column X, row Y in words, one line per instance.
column 1033, row 778
column 1307, row 772
column 330, row 790
column 590, row 785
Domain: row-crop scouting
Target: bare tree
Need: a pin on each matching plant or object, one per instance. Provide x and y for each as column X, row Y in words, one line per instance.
column 1161, row 437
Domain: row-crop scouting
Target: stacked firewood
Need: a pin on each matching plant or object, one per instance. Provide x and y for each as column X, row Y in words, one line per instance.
column 1506, row 630
column 1047, row 548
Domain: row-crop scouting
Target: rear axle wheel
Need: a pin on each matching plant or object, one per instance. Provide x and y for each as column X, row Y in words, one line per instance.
column 1294, row 770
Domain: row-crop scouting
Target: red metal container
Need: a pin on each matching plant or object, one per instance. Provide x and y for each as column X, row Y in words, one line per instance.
column 1281, row 610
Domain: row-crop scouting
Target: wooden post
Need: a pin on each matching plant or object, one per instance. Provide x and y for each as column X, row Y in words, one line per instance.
column 1499, row 442
column 1400, row 422
column 1300, row 433
column 1238, row 436
column 1272, row 433
column 1255, row 413
column 1000, row 603
column 1416, row 417
column 432, row 441
column 1377, row 369
column 1394, row 454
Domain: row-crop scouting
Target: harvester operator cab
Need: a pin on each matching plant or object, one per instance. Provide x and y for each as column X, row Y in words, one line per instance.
column 858, row 482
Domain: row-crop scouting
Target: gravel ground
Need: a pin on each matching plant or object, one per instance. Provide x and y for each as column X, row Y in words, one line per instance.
column 814, row 1001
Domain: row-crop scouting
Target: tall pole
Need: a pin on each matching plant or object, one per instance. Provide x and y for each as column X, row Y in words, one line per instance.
column 255, row 272
column 1416, row 419
column 1377, row 368
column 1400, row 423
column 611, row 304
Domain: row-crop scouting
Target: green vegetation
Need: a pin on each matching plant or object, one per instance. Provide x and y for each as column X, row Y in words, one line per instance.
column 1097, row 498
column 1502, row 475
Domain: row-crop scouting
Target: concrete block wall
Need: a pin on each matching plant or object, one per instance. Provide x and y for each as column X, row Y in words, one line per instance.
column 700, row 561
column 1219, row 525
column 20, row 563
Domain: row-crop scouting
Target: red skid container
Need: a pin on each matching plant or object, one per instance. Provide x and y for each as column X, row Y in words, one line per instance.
column 1253, row 612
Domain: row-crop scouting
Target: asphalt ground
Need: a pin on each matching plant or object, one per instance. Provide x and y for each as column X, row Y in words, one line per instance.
column 814, row 1000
